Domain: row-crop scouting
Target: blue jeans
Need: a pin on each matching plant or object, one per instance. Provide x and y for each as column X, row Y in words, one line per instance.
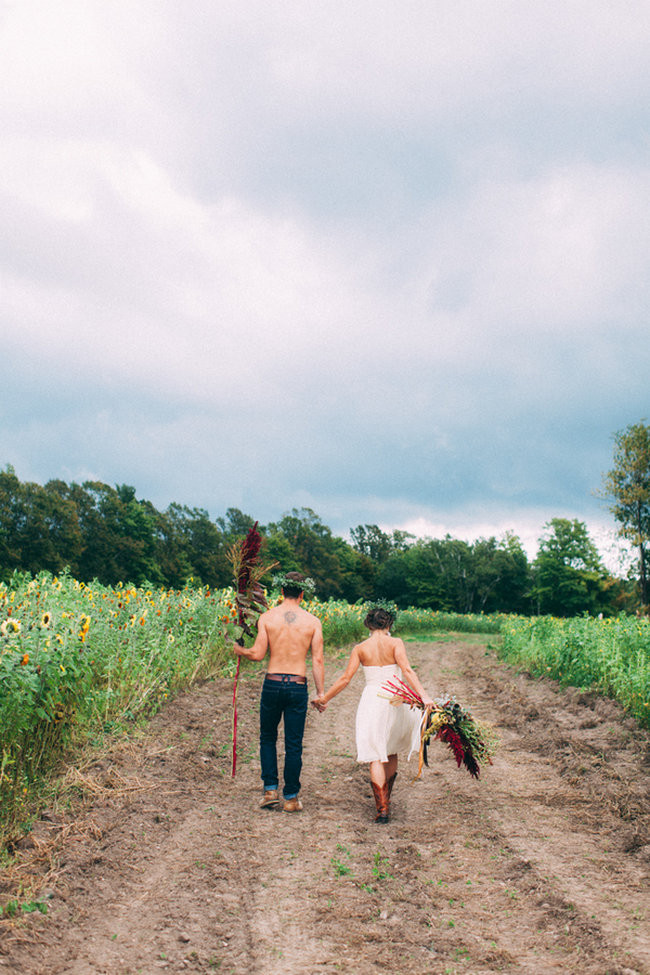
column 288, row 700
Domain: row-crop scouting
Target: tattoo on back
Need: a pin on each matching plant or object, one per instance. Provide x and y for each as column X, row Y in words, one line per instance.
column 290, row 616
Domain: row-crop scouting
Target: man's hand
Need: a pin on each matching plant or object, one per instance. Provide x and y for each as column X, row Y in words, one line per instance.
column 318, row 704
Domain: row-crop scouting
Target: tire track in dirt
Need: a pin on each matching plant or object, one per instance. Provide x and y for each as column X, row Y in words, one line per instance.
column 542, row 866
column 558, row 819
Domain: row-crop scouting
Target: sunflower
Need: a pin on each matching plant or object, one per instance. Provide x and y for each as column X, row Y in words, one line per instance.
column 84, row 622
column 46, row 621
column 10, row 627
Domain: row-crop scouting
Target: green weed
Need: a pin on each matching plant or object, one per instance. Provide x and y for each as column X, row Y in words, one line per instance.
column 380, row 867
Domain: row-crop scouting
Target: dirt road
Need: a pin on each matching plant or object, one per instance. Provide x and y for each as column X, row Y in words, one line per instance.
column 541, row 867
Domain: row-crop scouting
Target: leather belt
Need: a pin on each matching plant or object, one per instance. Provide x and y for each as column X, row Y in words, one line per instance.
column 287, row 678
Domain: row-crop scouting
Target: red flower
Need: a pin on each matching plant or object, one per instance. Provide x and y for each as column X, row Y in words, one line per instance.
column 452, row 738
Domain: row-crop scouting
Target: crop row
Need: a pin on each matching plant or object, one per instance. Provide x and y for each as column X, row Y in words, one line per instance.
column 611, row 656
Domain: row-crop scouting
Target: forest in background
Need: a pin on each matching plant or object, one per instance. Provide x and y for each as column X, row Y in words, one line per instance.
column 106, row 533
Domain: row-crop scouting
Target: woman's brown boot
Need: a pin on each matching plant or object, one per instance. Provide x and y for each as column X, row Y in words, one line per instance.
column 382, row 802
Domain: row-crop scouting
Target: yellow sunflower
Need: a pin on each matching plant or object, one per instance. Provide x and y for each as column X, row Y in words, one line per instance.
column 10, row 627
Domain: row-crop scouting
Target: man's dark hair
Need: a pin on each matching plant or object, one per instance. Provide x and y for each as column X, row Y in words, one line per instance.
column 293, row 584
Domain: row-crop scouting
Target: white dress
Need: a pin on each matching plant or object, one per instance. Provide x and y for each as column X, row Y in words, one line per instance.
column 383, row 728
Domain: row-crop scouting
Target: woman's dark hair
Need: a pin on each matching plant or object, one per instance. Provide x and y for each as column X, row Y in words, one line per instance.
column 379, row 619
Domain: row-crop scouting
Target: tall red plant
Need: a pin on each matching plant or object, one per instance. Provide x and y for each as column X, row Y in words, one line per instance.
column 453, row 739
column 250, row 601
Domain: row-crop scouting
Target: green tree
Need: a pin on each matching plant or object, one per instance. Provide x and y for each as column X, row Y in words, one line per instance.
column 627, row 487
column 378, row 545
column 12, row 520
column 378, row 562
column 357, row 572
column 437, row 574
column 569, row 577
column 392, row 580
column 455, row 576
column 190, row 545
column 278, row 548
column 119, row 534
column 206, row 548
column 371, row 541
column 501, row 575
column 172, row 555
column 38, row 526
column 59, row 518
column 234, row 524
column 314, row 550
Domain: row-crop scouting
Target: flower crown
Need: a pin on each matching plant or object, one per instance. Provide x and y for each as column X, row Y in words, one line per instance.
column 386, row 604
column 306, row 585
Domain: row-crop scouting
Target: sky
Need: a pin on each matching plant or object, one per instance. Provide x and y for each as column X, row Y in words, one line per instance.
column 385, row 260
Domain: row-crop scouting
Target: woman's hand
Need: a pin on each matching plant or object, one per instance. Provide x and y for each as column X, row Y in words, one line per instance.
column 428, row 702
column 319, row 703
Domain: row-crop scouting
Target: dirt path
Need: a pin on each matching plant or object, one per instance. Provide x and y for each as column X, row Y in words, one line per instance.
column 542, row 866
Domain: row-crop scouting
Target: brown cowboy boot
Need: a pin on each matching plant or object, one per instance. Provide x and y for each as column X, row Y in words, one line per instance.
column 382, row 802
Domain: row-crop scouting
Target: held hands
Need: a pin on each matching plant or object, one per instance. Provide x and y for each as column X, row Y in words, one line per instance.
column 318, row 703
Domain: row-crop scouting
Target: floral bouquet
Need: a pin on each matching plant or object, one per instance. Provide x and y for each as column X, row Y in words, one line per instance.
column 472, row 742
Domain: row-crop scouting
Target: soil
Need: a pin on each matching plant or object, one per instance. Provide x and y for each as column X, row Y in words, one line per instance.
column 542, row 866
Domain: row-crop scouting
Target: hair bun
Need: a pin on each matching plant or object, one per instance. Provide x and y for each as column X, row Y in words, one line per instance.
column 379, row 618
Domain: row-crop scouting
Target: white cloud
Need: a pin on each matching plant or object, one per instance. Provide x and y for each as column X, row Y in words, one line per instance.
column 381, row 224
column 564, row 249
column 529, row 527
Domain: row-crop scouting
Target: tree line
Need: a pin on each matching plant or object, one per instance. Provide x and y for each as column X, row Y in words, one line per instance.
column 106, row 533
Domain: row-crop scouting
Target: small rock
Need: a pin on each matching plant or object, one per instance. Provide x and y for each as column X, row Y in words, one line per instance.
column 184, row 937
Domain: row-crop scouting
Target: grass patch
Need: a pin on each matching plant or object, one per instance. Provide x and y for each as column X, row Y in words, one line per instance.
column 610, row 656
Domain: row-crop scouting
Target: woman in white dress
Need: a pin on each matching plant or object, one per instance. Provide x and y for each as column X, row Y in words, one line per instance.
column 384, row 725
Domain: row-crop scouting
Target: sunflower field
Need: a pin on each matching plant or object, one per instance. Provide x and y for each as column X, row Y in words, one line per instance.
column 610, row 656
column 343, row 622
column 77, row 658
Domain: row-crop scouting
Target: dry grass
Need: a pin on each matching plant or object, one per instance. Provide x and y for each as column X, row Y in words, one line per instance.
column 34, row 858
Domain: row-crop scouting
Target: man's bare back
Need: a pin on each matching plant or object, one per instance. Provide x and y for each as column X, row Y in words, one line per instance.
column 288, row 632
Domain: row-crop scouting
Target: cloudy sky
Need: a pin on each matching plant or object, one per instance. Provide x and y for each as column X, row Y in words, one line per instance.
column 387, row 260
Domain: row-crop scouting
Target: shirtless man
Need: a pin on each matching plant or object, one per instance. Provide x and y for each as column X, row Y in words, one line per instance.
column 288, row 632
